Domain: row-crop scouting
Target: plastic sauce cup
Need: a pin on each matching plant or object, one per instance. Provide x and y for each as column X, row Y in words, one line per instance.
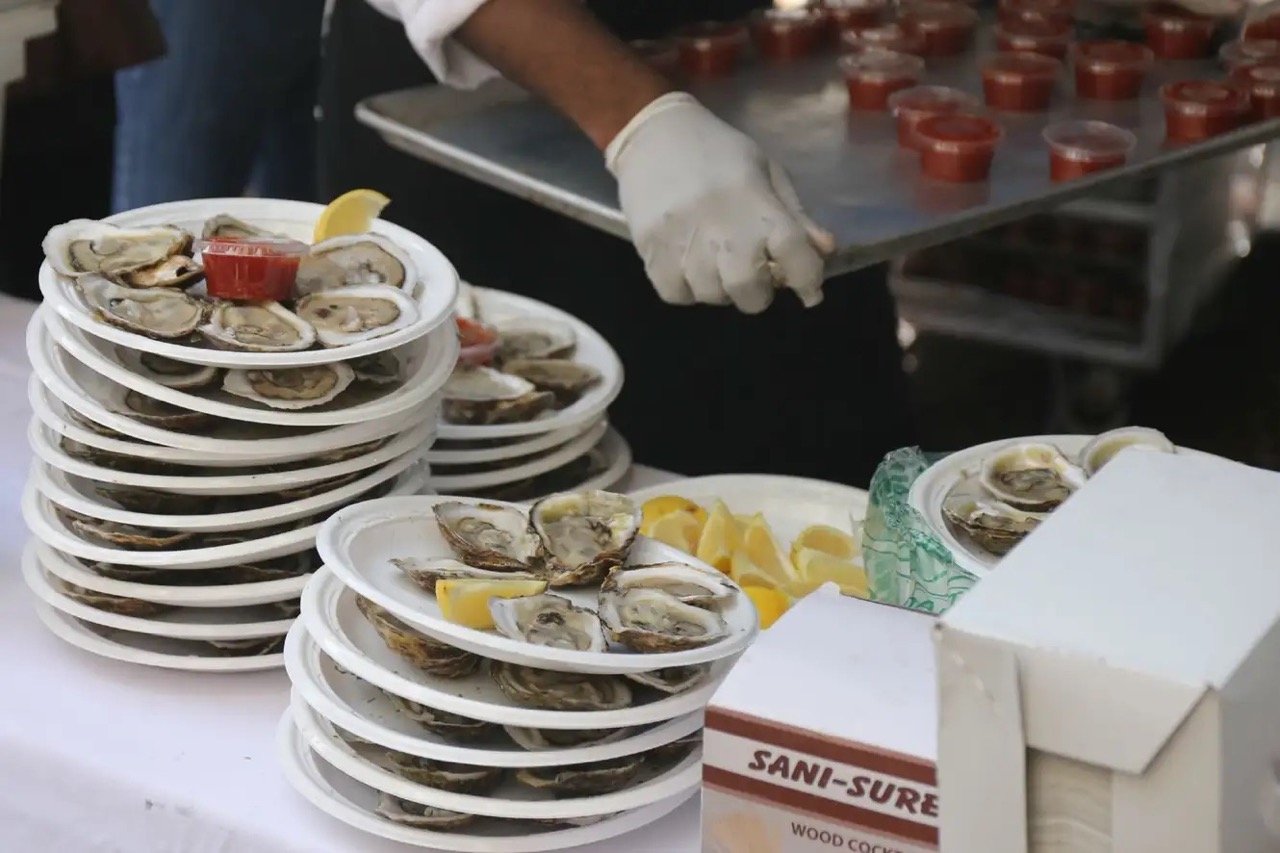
column 1060, row 11
column 710, row 48
column 1264, row 27
column 783, row 34
column 958, row 147
column 873, row 75
column 251, row 269
column 1111, row 70
column 1241, row 52
column 844, row 15
column 1034, row 35
column 1174, row 33
column 1262, row 79
column 1020, row 82
column 1199, row 109
column 660, row 54
column 885, row 37
column 947, row 28
column 1077, row 148
column 479, row 342
column 912, row 106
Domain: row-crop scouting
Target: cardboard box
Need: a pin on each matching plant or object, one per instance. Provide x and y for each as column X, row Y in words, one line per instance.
column 823, row 736
column 1115, row 684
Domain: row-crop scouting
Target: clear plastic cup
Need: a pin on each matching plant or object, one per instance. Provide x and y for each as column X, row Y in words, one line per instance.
column 1242, row 52
column 873, row 75
column 958, row 147
column 1020, row 82
column 1061, row 11
column 251, row 269
column 912, row 106
column 1078, row 148
column 1045, row 36
column 884, row 37
column 1199, row 109
column 1109, row 70
column 946, row 27
column 784, row 34
column 844, row 15
column 710, row 48
column 1174, row 33
column 1262, row 79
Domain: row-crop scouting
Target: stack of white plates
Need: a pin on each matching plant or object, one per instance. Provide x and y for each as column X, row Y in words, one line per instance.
column 568, row 447
column 470, row 752
column 174, row 521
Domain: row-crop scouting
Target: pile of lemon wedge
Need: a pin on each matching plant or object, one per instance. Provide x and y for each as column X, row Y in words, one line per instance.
column 745, row 548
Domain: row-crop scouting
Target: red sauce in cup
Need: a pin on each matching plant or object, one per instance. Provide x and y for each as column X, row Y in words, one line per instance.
column 844, row 15
column 251, row 269
column 710, row 48
column 1174, row 33
column 946, row 27
column 784, row 34
column 1264, row 27
column 1199, row 109
column 885, row 37
column 873, row 75
column 1060, row 11
column 958, row 147
column 1241, row 52
column 1019, row 82
column 912, row 106
column 659, row 54
column 1077, row 148
column 1111, row 70
column 1263, row 81
column 1034, row 35
column 479, row 342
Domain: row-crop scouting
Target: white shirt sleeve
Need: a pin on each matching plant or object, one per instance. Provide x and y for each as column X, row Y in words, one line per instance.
column 429, row 25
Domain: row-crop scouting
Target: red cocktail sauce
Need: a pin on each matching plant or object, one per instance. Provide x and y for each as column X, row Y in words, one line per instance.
column 1019, row 82
column 912, row 106
column 710, row 48
column 873, row 75
column 1199, row 109
column 957, row 148
column 1077, row 148
column 251, row 269
column 1174, row 33
column 1111, row 70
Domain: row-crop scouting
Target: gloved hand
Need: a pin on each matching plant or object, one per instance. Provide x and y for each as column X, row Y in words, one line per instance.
column 713, row 219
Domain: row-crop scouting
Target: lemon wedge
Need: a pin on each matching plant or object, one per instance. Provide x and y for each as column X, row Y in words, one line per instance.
column 770, row 603
column 350, row 213
column 720, row 537
column 818, row 567
column 465, row 601
column 660, row 507
column 679, row 529
column 746, row 573
column 762, row 548
column 827, row 539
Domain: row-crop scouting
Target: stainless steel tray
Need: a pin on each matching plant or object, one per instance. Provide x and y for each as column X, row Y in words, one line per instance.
column 848, row 168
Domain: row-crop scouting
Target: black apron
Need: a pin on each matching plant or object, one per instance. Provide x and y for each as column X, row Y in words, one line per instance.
column 817, row 393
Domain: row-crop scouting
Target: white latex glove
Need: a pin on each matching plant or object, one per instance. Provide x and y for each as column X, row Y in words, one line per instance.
column 713, row 219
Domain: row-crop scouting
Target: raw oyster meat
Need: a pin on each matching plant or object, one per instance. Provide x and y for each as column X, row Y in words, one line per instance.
column 168, row 372
column 482, row 395
column 444, row 775
column 548, row 620
column 425, row 572
column 86, row 246
column 584, row 534
column 162, row 314
column 381, row 369
column 368, row 259
column 652, row 620
column 1031, row 477
column 673, row 679
column 993, row 525
column 290, row 387
column 596, row 777
column 538, row 739
column 173, row 271
column 446, row 725
column 560, row 691
column 226, row 225
column 534, row 337
column 118, row 604
column 567, row 380
column 257, row 327
column 1106, row 445
column 357, row 313
column 156, row 413
column 409, row 813
column 428, row 654
column 488, row 536
column 689, row 584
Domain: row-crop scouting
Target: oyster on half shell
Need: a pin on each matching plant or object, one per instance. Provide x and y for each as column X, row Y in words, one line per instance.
column 368, row 259
column 162, row 314
column 567, row 380
column 596, row 777
column 118, row 604
column 482, row 395
column 560, row 691
column 290, row 387
column 257, row 327
column 1104, row 446
column 1031, row 477
column 454, row 727
column 381, row 368
column 128, row 536
column 168, row 372
column 689, row 584
column 426, row 653
column 444, row 775
column 673, row 679
column 153, row 412
column 993, row 525
column 360, row 312
column 653, row 620
column 584, row 534
column 226, row 225
column 534, row 337
column 539, row 739
column 489, row 536
column 548, row 620
column 426, row 571
column 409, row 813
column 86, row 246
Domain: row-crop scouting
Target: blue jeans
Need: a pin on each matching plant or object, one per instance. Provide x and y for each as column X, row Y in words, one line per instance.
column 229, row 108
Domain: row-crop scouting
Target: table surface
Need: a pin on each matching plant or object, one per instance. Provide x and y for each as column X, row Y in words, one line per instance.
column 106, row 756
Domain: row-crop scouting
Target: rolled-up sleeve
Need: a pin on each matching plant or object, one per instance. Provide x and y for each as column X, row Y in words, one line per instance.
column 429, row 25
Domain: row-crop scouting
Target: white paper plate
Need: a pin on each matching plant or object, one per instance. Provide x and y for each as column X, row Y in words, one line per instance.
column 437, row 278
column 77, row 494
column 332, row 620
column 592, row 349
column 365, row 711
column 532, row 468
column 353, row 802
column 205, row 623
column 80, row 388
column 163, row 652
column 222, row 595
column 44, row 523
column 47, row 449
column 617, row 455
column 494, row 450
column 359, row 542
column 508, row 800
column 427, row 365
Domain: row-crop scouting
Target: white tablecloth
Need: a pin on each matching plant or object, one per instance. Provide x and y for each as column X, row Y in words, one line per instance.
column 100, row 756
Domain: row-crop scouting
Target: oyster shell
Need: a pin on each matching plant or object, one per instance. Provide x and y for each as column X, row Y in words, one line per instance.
column 673, row 679
column 660, row 758
column 257, row 327
column 560, row 691
column 162, row 314
column 153, row 412
column 226, row 225
column 450, row 726
column 90, row 424
column 567, row 380
column 687, row 583
column 266, row 571
column 1031, row 477
column 539, row 739
column 381, row 369
column 173, row 271
column 482, row 395
column 584, row 534
column 290, row 387
column 444, row 775
column 652, row 620
column 425, row 572
column 1104, row 446
column 154, row 501
column 168, row 372
column 128, row 536
column 357, row 313
column 368, row 259
column 534, row 337
column 419, row 816
column 428, row 654
column 548, row 620
column 112, row 603
column 86, row 246
column 596, row 777
column 488, row 536
column 993, row 525
column 253, row 647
